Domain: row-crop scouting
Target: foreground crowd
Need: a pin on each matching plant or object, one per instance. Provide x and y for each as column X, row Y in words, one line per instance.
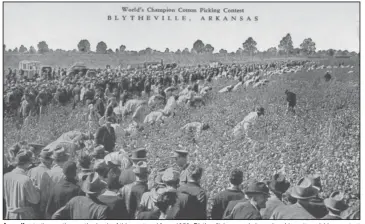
column 115, row 186
column 75, row 181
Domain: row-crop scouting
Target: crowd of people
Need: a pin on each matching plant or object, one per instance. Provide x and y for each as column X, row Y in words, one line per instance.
column 104, row 182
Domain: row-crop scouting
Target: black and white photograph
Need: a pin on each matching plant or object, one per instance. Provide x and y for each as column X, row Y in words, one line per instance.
column 203, row 110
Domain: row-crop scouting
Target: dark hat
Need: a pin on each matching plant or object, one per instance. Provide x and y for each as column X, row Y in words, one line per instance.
column 179, row 152
column 46, row 154
column 60, row 154
column 278, row 184
column 260, row 109
column 92, row 184
column 316, row 181
column 336, row 202
column 141, row 168
column 23, row 157
column 304, row 189
column 69, row 169
column 139, row 154
column 257, row 188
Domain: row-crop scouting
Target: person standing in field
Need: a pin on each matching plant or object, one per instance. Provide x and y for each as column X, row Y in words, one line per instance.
column 291, row 99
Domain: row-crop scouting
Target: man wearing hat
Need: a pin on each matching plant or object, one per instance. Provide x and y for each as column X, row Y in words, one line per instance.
column 105, row 135
column 132, row 193
column 181, row 160
column 85, row 207
column 63, row 191
column 40, row 175
column 278, row 186
column 128, row 176
column 20, row 192
column 316, row 205
column 193, row 197
column 111, row 196
column 335, row 205
column 60, row 157
column 303, row 192
column 232, row 193
column 257, row 194
column 84, row 164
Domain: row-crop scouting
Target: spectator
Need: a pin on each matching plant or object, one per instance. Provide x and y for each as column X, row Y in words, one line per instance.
column 335, row 205
column 40, row 175
column 303, row 192
column 64, row 191
column 111, row 197
column 132, row 193
column 257, row 194
column 233, row 192
column 85, row 207
column 278, row 186
column 193, row 196
column 20, row 192
column 181, row 160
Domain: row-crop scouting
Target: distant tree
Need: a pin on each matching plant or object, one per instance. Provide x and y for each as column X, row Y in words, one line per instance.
column 15, row 50
column 42, row 47
column 122, row 48
column 272, row 51
column 110, row 51
column 178, row 51
column 10, row 51
column 84, row 46
column 74, row 51
column 51, row 50
column 208, row 48
column 222, row 51
column 193, row 51
column 148, row 50
column 167, row 50
column 186, row 51
column 32, row 50
column 239, row 51
column 116, row 50
column 286, row 44
column 198, row 46
column 331, row 52
column 296, row 51
column 101, row 47
column 308, row 46
column 250, row 46
column 22, row 49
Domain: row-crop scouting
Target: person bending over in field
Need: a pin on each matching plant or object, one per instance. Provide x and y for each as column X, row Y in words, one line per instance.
column 291, row 99
column 243, row 127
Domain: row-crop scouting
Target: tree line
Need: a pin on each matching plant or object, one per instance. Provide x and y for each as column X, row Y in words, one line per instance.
column 249, row 47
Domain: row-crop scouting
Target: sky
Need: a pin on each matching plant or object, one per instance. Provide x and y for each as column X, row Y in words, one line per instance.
column 63, row 25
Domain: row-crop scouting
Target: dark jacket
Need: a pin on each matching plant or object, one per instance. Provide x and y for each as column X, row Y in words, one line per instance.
column 116, row 206
column 62, row 193
column 82, row 207
column 105, row 138
column 194, row 200
column 100, row 108
column 149, row 215
column 244, row 210
column 230, row 207
column 221, row 200
column 132, row 194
